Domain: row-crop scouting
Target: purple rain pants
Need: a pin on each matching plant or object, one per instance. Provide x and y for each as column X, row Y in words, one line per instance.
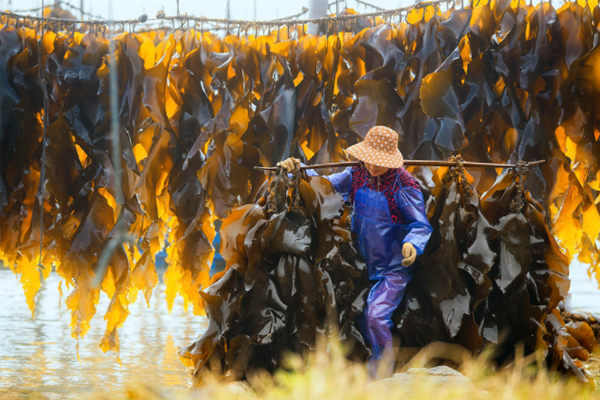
column 380, row 243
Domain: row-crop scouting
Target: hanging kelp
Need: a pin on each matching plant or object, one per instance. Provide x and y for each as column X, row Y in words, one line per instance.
column 448, row 292
column 530, row 275
column 491, row 274
column 520, row 84
column 292, row 279
column 536, row 288
column 500, row 81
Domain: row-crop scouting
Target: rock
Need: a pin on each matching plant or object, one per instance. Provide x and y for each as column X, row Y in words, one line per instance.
column 592, row 319
column 438, row 376
column 235, row 389
column 239, row 388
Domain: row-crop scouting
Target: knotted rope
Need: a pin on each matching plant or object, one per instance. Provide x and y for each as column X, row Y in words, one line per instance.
column 517, row 204
column 457, row 172
column 294, row 184
column 275, row 183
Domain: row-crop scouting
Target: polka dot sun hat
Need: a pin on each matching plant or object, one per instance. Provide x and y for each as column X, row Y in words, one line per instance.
column 380, row 147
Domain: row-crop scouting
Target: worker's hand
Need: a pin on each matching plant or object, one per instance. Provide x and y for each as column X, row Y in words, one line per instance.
column 290, row 164
column 409, row 253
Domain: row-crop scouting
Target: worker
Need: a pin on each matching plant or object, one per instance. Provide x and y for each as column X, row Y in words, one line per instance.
column 391, row 229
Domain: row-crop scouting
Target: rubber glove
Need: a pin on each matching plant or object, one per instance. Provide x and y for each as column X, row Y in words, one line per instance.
column 290, row 164
column 409, row 253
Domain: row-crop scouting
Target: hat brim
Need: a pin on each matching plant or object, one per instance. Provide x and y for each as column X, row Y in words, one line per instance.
column 371, row 156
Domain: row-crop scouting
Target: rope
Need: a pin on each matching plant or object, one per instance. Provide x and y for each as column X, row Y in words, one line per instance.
column 120, row 236
column 242, row 24
column 114, row 122
column 458, row 173
column 337, row 16
column 370, row 5
column 79, row 9
column 304, row 11
column 35, row 10
column 517, row 204
column 295, row 186
column 275, row 179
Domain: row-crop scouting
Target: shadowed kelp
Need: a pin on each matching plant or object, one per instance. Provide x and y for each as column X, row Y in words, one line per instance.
column 491, row 274
column 453, row 280
column 292, row 279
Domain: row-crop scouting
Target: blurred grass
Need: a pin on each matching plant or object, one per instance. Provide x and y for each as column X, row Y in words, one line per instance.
column 329, row 375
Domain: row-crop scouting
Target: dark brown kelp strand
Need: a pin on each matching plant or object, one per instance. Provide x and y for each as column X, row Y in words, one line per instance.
column 451, row 287
column 45, row 123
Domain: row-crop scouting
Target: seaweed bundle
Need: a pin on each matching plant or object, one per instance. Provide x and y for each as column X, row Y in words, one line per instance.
column 490, row 275
column 448, row 292
column 293, row 277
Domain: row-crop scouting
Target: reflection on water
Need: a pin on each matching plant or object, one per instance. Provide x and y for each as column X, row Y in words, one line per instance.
column 41, row 354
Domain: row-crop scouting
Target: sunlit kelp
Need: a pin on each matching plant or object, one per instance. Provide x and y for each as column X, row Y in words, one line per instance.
column 517, row 84
column 498, row 82
column 292, row 279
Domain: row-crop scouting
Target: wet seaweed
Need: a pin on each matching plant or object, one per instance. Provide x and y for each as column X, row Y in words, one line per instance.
column 293, row 278
column 495, row 81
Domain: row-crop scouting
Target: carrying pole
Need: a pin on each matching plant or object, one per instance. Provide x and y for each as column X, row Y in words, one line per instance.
column 411, row 163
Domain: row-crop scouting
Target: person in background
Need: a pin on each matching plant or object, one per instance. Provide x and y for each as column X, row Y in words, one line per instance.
column 391, row 229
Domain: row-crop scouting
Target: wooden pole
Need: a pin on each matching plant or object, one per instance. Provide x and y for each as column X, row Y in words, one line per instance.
column 409, row 163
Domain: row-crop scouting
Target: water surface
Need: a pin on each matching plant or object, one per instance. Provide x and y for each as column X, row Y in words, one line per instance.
column 585, row 293
column 40, row 353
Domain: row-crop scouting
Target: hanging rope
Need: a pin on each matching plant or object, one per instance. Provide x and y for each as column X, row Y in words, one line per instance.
column 34, row 10
column 337, row 17
column 295, row 186
column 294, row 16
column 79, row 9
column 42, row 186
column 120, row 236
column 243, row 24
column 517, row 204
column 370, row 5
column 114, row 121
column 458, row 173
column 276, row 191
